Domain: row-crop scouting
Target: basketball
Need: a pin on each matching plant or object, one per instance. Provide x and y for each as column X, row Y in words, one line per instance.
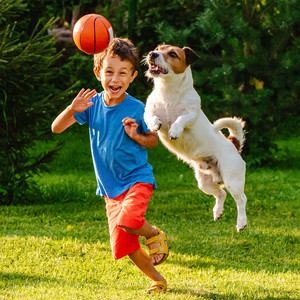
column 92, row 33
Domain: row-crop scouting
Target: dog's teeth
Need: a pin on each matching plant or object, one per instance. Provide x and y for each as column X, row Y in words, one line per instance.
column 153, row 66
column 157, row 69
column 164, row 71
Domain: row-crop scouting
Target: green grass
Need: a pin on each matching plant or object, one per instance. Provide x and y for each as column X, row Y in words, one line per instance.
column 59, row 249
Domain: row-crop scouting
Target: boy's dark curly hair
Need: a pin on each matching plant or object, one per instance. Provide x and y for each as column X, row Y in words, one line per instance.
column 122, row 47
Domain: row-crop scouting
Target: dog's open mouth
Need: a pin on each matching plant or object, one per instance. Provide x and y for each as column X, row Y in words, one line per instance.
column 156, row 70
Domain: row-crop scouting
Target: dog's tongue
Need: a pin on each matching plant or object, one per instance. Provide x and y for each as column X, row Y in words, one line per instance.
column 154, row 67
column 157, row 68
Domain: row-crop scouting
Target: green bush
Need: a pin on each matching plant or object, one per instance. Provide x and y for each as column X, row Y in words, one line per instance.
column 249, row 67
column 27, row 70
column 250, row 60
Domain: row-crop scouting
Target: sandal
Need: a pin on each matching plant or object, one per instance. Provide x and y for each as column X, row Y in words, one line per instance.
column 162, row 249
column 157, row 287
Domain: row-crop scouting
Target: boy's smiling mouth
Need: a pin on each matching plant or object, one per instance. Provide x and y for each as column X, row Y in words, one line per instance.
column 115, row 89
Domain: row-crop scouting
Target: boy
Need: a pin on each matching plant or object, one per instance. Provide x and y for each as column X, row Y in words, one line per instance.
column 118, row 135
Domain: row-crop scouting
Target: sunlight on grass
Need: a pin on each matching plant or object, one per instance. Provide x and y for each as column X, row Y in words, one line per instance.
column 58, row 248
column 71, row 269
column 40, row 267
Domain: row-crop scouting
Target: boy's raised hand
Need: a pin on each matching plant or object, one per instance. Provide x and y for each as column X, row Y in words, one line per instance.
column 81, row 101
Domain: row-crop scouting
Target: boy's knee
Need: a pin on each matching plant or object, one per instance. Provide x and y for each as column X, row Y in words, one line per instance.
column 129, row 222
column 127, row 229
column 122, row 219
column 124, row 227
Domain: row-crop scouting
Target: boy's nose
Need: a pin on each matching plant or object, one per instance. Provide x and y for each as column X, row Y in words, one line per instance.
column 115, row 78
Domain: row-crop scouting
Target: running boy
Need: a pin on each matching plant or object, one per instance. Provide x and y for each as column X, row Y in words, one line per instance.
column 118, row 136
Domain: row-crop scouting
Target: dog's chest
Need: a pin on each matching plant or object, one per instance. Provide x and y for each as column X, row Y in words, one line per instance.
column 168, row 113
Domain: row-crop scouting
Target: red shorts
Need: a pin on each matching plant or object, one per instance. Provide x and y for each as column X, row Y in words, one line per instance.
column 128, row 210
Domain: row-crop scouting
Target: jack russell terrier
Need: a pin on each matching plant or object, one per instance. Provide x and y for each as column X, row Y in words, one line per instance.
column 173, row 109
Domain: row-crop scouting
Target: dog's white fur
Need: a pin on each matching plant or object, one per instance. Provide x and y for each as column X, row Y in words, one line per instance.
column 174, row 110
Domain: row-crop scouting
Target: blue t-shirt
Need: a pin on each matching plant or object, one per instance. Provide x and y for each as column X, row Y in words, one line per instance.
column 119, row 161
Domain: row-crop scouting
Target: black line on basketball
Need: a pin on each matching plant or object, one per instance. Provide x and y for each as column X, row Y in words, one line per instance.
column 108, row 36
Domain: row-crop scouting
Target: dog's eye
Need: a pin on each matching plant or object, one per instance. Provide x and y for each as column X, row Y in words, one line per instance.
column 173, row 54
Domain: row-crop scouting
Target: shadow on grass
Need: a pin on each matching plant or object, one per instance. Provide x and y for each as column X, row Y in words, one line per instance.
column 85, row 221
column 13, row 279
column 213, row 295
column 200, row 294
column 268, row 243
column 265, row 245
column 252, row 250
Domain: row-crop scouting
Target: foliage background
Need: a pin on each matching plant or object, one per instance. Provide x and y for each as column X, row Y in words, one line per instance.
column 249, row 67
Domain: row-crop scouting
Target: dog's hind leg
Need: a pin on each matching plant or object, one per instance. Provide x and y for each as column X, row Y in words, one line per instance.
column 237, row 192
column 209, row 187
column 234, row 181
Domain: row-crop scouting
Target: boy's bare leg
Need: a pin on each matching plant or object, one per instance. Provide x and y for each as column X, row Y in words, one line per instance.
column 147, row 231
column 143, row 262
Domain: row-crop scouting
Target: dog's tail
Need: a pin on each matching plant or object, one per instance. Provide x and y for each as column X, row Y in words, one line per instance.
column 236, row 132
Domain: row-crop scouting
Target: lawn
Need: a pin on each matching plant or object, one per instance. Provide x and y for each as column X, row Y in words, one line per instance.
column 59, row 249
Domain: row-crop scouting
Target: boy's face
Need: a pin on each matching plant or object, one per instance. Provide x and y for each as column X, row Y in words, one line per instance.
column 115, row 77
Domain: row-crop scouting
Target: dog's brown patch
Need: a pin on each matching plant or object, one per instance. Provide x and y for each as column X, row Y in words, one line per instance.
column 174, row 56
column 235, row 142
column 177, row 58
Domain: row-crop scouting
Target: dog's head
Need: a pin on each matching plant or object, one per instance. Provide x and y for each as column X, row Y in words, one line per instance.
column 168, row 60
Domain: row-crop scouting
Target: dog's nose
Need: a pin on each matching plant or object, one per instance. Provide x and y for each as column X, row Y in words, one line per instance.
column 153, row 55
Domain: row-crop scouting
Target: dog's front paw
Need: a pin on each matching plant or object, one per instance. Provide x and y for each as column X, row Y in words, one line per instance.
column 175, row 132
column 154, row 123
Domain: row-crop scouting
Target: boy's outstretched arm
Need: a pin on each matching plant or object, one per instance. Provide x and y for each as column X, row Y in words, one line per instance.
column 66, row 118
column 147, row 140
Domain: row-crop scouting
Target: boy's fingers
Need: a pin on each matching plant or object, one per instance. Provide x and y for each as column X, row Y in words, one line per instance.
column 125, row 119
column 86, row 94
column 91, row 93
column 128, row 120
column 80, row 93
column 135, row 125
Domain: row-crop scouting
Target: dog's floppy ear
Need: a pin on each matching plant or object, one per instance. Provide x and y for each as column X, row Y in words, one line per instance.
column 190, row 55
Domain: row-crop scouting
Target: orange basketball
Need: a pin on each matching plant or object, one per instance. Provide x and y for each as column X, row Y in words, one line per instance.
column 92, row 33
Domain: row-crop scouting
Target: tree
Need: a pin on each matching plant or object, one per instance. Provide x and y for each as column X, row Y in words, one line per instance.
column 250, row 62
column 27, row 70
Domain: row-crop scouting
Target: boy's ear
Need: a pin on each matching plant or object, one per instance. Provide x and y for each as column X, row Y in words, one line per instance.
column 97, row 74
column 133, row 76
